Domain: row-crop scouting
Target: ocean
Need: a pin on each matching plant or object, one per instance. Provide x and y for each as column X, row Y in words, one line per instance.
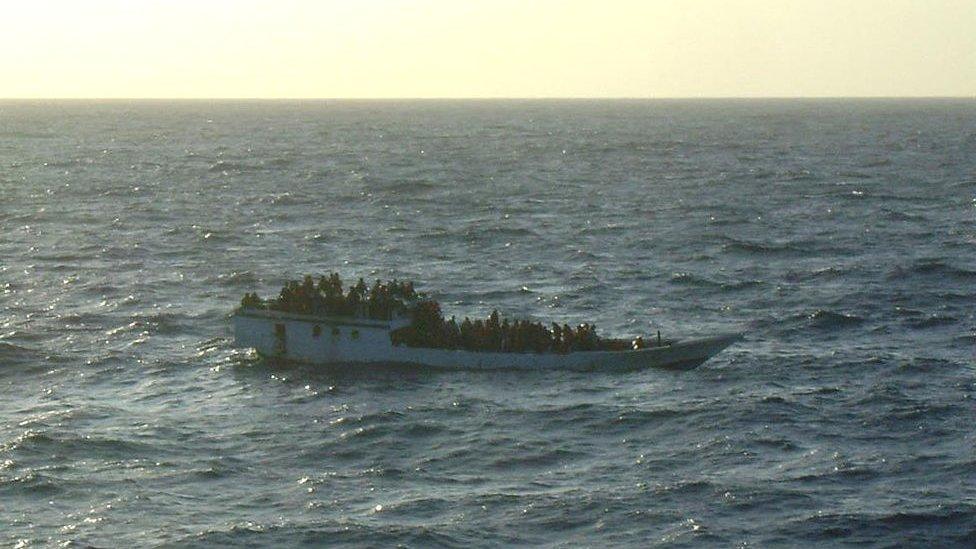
column 839, row 235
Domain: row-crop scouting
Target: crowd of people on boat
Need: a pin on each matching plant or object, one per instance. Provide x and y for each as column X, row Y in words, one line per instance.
column 326, row 297
column 428, row 327
column 495, row 334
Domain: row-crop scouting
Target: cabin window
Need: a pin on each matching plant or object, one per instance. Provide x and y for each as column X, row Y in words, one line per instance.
column 335, row 332
column 316, row 330
column 355, row 334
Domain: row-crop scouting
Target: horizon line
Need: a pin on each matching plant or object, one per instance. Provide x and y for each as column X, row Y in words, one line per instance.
column 500, row 98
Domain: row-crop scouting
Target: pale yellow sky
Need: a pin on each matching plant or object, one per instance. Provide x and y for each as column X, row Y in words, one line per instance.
column 481, row 48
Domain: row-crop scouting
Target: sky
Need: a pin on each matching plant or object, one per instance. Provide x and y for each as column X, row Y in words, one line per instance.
column 486, row 48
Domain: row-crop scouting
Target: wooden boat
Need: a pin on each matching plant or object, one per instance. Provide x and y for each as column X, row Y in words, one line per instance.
column 360, row 341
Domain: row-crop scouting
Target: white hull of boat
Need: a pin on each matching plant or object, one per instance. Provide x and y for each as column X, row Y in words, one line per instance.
column 343, row 341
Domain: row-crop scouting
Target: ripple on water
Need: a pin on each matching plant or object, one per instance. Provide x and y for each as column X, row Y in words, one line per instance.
column 845, row 417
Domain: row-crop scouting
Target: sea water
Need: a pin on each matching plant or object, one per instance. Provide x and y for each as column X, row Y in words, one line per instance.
column 839, row 235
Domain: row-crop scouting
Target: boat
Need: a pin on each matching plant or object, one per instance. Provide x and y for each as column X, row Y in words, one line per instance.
column 354, row 341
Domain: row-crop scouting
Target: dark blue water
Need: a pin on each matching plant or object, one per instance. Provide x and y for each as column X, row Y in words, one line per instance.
column 841, row 235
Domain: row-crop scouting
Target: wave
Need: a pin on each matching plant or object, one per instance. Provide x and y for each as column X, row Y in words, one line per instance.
column 87, row 319
column 24, row 134
column 534, row 457
column 840, row 473
column 16, row 353
column 830, row 320
column 952, row 522
column 966, row 339
column 822, row 273
column 908, row 415
column 607, row 229
column 925, row 364
column 335, row 533
column 743, row 284
column 29, row 359
column 422, row 507
column 596, row 418
column 437, row 234
column 855, row 175
column 165, row 323
column 695, row 281
column 798, row 175
column 686, row 488
column 285, row 199
column 877, row 163
column 223, row 467
column 645, row 417
column 369, row 422
column 225, row 166
column 932, row 321
column 278, row 161
column 242, row 279
column 793, row 248
column 898, row 215
column 915, row 318
column 70, row 258
column 688, row 279
column 489, row 233
column 964, row 183
column 408, row 186
column 31, row 483
column 775, row 443
column 794, row 322
column 422, row 429
column 95, row 447
column 932, row 267
column 63, row 163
